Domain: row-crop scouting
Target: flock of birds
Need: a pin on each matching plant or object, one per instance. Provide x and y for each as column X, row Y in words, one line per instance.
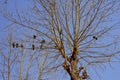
column 16, row 45
column 94, row 37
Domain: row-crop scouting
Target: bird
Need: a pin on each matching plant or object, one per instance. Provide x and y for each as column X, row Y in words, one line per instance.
column 13, row 44
column 34, row 36
column 81, row 68
column 33, row 47
column 17, row 45
column 21, row 46
column 94, row 37
column 41, row 46
column 43, row 41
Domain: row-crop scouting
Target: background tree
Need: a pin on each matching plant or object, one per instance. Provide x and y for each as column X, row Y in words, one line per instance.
column 76, row 34
column 18, row 62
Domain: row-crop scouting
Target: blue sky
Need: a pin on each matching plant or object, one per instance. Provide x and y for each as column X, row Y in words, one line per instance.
column 109, row 73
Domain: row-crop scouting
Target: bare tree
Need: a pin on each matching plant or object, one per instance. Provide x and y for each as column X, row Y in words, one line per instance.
column 17, row 60
column 73, row 32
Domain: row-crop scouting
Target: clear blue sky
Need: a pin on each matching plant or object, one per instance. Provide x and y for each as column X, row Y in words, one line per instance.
column 109, row 73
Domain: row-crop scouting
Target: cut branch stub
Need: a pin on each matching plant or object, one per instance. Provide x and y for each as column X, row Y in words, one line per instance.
column 84, row 75
column 66, row 66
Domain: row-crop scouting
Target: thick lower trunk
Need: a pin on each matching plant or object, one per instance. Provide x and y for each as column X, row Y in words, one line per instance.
column 77, row 79
column 74, row 71
column 70, row 65
column 73, row 62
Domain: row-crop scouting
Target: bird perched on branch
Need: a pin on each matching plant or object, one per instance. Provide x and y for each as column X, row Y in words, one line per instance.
column 43, row 41
column 33, row 46
column 41, row 46
column 81, row 68
column 94, row 37
column 34, row 36
column 21, row 46
column 17, row 45
column 13, row 45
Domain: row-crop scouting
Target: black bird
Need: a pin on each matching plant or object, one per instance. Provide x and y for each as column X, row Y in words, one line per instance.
column 21, row 46
column 41, row 46
column 34, row 36
column 81, row 68
column 33, row 47
column 13, row 45
column 94, row 37
column 43, row 41
column 17, row 45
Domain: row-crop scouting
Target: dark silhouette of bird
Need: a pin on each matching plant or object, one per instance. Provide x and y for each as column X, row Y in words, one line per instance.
column 17, row 45
column 81, row 68
column 21, row 46
column 33, row 46
column 43, row 41
column 34, row 36
column 13, row 45
column 41, row 46
column 94, row 37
